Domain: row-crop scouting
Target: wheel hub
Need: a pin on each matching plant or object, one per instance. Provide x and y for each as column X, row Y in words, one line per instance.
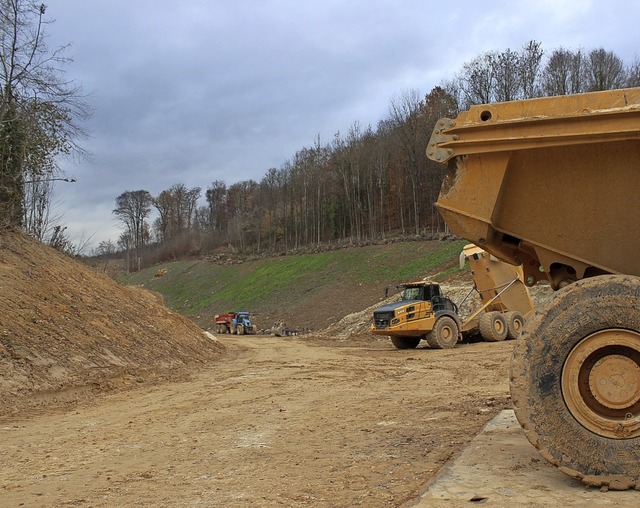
column 601, row 383
column 614, row 380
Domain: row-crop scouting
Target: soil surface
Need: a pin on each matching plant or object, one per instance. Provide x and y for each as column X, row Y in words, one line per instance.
column 281, row 422
column 107, row 398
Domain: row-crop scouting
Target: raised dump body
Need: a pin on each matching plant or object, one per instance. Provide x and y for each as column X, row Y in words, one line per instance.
column 499, row 285
column 548, row 183
column 553, row 184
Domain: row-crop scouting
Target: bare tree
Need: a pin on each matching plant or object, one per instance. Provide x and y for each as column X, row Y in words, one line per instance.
column 133, row 208
column 506, row 74
column 604, row 71
column 633, row 73
column 559, row 74
column 477, row 80
column 105, row 248
column 529, row 68
column 216, row 198
column 410, row 122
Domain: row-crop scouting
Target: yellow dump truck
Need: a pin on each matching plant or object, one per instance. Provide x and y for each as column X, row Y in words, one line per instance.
column 423, row 312
column 552, row 184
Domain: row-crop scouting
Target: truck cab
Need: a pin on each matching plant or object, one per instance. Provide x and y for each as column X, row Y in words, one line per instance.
column 414, row 315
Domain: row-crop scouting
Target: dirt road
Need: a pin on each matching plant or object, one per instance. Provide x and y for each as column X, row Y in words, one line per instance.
column 277, row 422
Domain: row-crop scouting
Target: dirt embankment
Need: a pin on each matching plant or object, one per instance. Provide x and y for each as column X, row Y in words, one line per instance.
column 66, row 331
column 254, row 420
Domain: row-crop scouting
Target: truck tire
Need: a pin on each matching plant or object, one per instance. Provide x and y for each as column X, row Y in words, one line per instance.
column 405, row 342
column 240, row 330
column 575, row 381
column 444, row 334
column 515, row 322
column 493, row 326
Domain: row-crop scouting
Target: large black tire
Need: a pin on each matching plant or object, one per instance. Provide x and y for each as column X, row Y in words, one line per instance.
column 444, row 335
column 515, row 323
column 405, row 342
column 493, row 326
column 575, row 381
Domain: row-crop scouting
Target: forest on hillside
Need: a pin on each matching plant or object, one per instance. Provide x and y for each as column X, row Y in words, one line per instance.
column 365, row 184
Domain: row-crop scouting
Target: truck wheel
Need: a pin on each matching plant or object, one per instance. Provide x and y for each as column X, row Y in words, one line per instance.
column 575, row 381
column 444, row 334
column 493, row 326
column 515, row 322
column 405, row 342
column 240, row 330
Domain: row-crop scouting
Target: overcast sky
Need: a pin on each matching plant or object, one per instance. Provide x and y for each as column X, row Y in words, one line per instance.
column 194, row 91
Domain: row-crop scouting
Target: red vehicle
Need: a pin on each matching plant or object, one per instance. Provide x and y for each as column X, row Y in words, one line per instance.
column 235, row 323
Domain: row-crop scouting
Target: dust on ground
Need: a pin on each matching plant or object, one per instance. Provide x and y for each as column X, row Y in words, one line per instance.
column 110, row 399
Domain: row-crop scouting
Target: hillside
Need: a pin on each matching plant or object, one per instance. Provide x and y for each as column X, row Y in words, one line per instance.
column 67, row 331
column 306, row 291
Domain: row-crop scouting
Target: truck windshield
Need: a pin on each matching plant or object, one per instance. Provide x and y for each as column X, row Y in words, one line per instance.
column 411, row 294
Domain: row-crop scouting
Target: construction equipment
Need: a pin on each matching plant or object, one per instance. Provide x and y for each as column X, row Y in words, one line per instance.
column 238, row 323
column 425, row 313
column 552, row 184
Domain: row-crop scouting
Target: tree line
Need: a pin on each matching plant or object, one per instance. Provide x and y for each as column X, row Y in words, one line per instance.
column 365, row 184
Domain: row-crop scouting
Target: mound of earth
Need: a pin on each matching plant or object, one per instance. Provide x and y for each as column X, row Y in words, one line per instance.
column 67, row 331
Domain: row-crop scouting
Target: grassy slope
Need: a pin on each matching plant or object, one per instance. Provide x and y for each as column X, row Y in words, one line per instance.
column 306, row 291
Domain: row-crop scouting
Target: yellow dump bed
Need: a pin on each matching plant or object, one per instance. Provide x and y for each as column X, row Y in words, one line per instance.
column 549, row 183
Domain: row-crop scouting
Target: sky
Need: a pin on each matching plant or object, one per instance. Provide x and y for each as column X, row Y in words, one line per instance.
column 194, row 91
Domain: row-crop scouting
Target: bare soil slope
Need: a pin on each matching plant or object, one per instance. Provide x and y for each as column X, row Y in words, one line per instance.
column 339, row 418
column 66, row 331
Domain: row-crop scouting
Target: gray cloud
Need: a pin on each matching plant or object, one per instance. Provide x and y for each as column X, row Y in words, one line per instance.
column 190, row 92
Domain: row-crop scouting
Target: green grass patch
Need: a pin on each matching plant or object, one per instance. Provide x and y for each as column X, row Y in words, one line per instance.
column 195, row 287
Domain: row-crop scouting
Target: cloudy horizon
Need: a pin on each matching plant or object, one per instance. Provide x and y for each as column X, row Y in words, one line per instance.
column 199, row 91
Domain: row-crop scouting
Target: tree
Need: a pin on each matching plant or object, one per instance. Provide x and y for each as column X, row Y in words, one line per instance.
column 216, row 196
column 410, row 124
column 507, row 85
column 177, row 207
column 604, row 71
column 530, row 59
column 39, row 110
column 633, row 73
column 563, row 73
column 105, row 248
column 477, row 80
column 133, row 208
